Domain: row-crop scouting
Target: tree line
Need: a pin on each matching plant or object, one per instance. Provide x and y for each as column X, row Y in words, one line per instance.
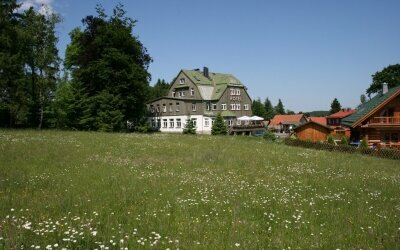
column 103, row 82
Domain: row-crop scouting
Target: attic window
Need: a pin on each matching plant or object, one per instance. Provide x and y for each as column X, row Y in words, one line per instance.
column 182, row 81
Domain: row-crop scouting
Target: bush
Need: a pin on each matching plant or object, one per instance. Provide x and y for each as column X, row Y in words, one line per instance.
column 189, row 127
column 363, row 144
column 269, row 136
column 344, row 141
column 330, row 139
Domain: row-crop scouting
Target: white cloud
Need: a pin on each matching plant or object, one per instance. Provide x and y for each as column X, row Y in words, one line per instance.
column 44, row 7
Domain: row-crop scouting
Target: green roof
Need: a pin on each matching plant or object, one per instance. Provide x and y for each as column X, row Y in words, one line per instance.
column 218, row 81
column 367, row 107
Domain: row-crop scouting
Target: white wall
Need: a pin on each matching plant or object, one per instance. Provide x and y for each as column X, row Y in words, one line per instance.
column 201, row 127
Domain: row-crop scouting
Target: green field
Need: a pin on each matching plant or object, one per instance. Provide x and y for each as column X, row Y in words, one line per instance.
column 81, row 190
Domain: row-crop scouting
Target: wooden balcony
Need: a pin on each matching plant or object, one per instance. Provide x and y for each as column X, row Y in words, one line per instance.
column 387, row 121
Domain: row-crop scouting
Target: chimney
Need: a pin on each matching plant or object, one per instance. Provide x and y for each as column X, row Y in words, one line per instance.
column 385, row 88
column 205, row 72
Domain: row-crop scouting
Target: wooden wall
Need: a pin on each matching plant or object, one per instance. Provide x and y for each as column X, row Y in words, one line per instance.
column 312, row 132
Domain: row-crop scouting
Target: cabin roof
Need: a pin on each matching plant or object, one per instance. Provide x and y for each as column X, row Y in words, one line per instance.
column 317, row 119
column 342, row 113
column 312, row 122
column 286, row 119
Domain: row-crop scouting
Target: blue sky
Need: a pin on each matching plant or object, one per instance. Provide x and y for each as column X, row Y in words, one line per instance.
column 303, row 52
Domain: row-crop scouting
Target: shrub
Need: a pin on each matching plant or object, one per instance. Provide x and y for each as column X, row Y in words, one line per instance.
column 189, row 127
column 344, row 141
column 269, row 136
column 330, row 139
column 363, row 144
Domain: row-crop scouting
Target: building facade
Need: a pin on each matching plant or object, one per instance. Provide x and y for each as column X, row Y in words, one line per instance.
column 199, row 96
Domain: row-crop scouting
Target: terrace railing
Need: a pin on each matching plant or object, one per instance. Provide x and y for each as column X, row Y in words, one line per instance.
column 385, row 120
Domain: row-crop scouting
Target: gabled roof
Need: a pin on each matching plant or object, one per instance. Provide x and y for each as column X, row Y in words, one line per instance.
column 312, row 122
column 317, row 119
column 212, row 87
column 342, row 113
column 370, row 107
column 286, row 119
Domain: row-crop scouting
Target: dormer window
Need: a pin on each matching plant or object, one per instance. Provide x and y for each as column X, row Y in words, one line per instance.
column 237, row 91
column 232, row 91
column 192, row 92
column 182, row 81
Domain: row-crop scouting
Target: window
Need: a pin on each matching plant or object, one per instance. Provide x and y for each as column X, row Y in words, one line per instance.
column 237, row 106
column 158, row 108
column 206, row 122
column 182, row 81
column 178, row 122
column 158, row 123
column 208, row 106
column 237, row 91
column 232, row 91
column 230, row 122
column 233, row 106
column 165, row 123
column 223, row 106
column 170, row 107
column 192, row 92
column 182, row 93
column 153, row 123
column 246, row 106
column 177, row 107
column 164, row 108
column 152, row 109
column 171, row 123
column 212, row 121
column 194, row 107
column 173, row 93
column 214, row 106
column 194, row 122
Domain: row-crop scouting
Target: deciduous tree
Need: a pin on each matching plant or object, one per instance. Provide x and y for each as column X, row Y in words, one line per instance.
column 390, row 75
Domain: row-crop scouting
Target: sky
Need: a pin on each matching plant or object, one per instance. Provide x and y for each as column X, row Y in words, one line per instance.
column 305, row 53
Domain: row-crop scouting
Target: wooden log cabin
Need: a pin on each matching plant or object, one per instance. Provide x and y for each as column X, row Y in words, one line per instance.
column 313, row 131
column 378, row 120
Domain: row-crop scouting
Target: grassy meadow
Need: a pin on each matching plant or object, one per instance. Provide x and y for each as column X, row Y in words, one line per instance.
column 82, row 190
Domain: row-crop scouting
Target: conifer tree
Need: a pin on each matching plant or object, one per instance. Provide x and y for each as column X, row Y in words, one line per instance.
column 219, row 127
column 189, row 127
column 279, row 108
column 269, row 109
column 335, row 106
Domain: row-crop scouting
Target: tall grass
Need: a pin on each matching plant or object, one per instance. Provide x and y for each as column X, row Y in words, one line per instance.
column 110, row 191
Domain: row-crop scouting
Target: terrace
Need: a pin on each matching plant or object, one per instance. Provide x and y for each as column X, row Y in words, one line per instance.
column 385, row 121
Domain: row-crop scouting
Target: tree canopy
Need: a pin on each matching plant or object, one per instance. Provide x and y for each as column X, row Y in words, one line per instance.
column 279, row 108
column 109, row 72
column 335, row 106
column 258, row 108
column 269, row 109
column 389, row 75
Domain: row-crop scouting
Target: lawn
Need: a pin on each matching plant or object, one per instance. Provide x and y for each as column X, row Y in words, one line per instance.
column 82, row 190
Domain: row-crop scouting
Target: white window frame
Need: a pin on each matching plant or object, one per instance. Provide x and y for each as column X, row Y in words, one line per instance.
column 171, row 123
column 192, row 91
column 170, row 108
column 164, row 108
column 165, row 123
column 206, row 122
column 232, row 91
column 233, row 106
column 230, row 122
column 178, row 122
column 238, row 106
column 237, row 91
column 194, row 107
column 214, row 106
column 178, row 107
column 182, row 81
column 208, row 106
column 246, row 106
column 223, row 106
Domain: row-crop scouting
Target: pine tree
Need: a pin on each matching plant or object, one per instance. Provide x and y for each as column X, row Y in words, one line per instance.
column 189, row 127
column 335, row 106
column 269, row 109
column 219, row 127
column 258, row 108
column 279, row 108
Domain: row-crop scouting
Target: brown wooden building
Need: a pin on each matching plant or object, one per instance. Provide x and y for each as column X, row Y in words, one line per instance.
column 378, row 120
column 313, row 131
